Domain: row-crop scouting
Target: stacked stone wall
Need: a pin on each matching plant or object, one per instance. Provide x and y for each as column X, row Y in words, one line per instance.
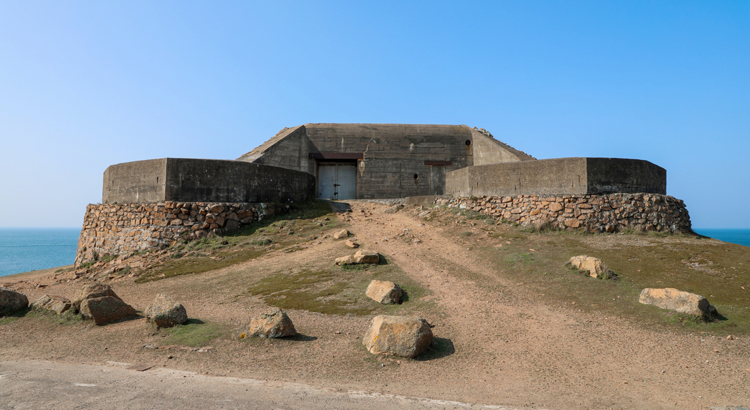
column 592, row 213
column 120, row 229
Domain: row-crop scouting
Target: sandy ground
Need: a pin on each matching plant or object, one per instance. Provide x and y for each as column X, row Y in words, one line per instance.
column 509, row 346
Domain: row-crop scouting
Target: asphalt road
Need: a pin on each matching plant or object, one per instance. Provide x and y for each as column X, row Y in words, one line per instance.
column 49, row 385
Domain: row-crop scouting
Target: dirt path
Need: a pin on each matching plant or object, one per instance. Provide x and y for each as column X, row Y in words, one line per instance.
column 550, row 355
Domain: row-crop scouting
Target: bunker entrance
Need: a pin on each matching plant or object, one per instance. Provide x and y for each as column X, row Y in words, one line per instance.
column 337, row 180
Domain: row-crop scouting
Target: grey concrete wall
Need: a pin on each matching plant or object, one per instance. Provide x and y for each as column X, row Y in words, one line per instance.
column 393, row 153
column 135, row 182
column 487, row 150
column 608, row 175
column 289, row 149
column 201, row 180
column 457, row 183
column 572, row 176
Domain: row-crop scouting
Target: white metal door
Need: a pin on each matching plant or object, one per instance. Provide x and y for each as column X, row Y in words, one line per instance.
column 347, row 181
column 337, row 181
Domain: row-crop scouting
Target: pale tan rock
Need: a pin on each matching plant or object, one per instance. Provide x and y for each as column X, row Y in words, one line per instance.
column 352, row 243
column 398, row 335
column 166, row 312
column 362, row 256
column 56, row 304
column 594, row 266
column 391, row 209
column 341, row 234
column 385, row 292
column 678, row 301
column 273, row 324
column 554, row 207
column 572, row 223
column 12, row 301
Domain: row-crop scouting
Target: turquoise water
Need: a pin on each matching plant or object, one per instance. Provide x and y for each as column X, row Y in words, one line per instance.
column 738, row 236
column 26, row 249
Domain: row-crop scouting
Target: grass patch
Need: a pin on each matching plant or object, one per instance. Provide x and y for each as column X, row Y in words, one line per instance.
column 718, row 271
column 195, row 333
column 338, row 290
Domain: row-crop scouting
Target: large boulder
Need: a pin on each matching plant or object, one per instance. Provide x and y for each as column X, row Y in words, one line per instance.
column 11, row 301
column 398, row 335
column 385, row 292
column 362, row 256
column 57, row 304
column 272, row 324
column 166, row 312
column 105, row 309
column 679, row 301
column 91, row 291
column 594, row 266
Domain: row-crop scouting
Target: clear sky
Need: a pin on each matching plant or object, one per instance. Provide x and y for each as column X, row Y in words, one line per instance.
column 87, row 84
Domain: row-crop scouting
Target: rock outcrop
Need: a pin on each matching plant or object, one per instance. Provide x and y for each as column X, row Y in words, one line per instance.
column 12, row 301
column 678, row 301
column 385, row 292
column 594, row 266
column 362, row 256
column 166, row 312
column 273, row 324
column 57, row 304
column 106, row 309
column 99, row 303
column 398, row 335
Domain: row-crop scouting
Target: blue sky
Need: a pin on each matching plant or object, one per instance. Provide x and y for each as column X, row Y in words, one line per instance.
column 84, row 85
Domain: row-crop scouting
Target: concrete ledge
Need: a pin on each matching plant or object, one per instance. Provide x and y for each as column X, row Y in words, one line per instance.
column 194, row 180
column 559, row 176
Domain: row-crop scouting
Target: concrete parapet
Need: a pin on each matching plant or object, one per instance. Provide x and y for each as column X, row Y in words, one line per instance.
column 126, row 228
column 592, row 213
column 189, row 180
column 572, row 176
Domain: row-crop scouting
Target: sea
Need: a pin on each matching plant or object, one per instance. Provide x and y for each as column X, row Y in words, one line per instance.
column 27, row 249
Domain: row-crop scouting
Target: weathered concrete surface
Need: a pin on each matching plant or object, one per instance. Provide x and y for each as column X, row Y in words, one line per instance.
column 393, row 154
column 47, row 385
column 135, row 182
column 571, row 176
column 203, row 180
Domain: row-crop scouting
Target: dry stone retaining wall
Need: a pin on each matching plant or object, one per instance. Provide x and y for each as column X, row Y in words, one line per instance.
column 593, row 213
column 126, row 228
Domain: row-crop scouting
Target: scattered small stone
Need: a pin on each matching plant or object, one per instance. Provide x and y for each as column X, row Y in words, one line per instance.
column 730, row 337
column 385, row 292
column 341, row 234
column 165, row 312
column 56, row 304
column 352, row 244
column 273, row 324
column 362, row 256
column 678, row 301
column 398, row 335
column 594, row 266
